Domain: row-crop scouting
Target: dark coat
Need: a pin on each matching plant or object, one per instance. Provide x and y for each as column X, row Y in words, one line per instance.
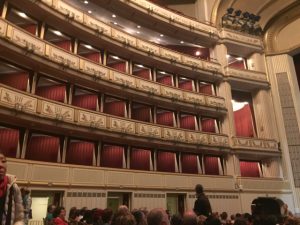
column 202, row 206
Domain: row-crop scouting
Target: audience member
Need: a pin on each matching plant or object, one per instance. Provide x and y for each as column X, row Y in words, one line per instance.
column 25, row 192
column 11, row 207
column 158, row 217
column 189, row 218
column 202, row 204
column 59, row 215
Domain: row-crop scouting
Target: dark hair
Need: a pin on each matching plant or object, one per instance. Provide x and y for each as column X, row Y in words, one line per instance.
column 57, row 211
column 199, row 189
column 224, row 215
column 107, row 215
column 155, row 217
column 176, row 219
column 240, row 221
column 50, row 207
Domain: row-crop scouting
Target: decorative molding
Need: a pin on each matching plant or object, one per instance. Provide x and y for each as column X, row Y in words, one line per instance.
column 121, row 125
column 147, row 130
column 92, row 120
column 255, row 144
column 243, row 38
column 57, row 111
column 3, row 27
column 124, row 80
column 18, row 101
column 246, row 74
column 69, row 11
column 64, row 58
column 25, row 40
column 173, row 134
column 97, row 71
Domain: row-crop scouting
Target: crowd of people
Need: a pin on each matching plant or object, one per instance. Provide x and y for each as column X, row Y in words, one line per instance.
column 15, row 209
column 157, row 216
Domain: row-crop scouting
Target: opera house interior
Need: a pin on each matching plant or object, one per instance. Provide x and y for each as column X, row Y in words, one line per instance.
column 134, row 102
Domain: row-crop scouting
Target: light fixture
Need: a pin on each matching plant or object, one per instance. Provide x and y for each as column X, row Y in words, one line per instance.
column 23, row 15
column 115, row 23
column 138, row 26
column 137, row 32
column 161, row 35
column 114, row 16
column 86, row 2
column 181, row 42
column 140, row 65
column 88, row 46
column 239, row 58
column 227, row 56
column 162, row 72
column 90, row 11
column 197, row 53
column 115, row 57
column 57, row 32
column 158, row 39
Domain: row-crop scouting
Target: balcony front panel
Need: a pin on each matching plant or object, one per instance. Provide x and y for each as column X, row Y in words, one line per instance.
column 32, row 44
column 25, row 40
column 246, row 74
column 59, row 112
column 90, row 119
column 124, row 39
column 18, row 101
column 69, row 11
column 265, row 184
column 255, row 144
column 239, row 43
column 3, row 27
column 54, row 174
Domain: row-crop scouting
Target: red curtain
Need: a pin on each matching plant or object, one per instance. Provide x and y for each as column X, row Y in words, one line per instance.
column 206, row 89
column 188, row 122
column 65, row 44
column 80, row 152
column 186, row 85
column 140, row 159
column 239, row 64
column 189, row 163
column 211, row 165
column 43, row 148
column 120, row 66
column 249, row 169
column 9, row 139
column 243, row 122
column 165, row 118
column 85, row 101
column 16, row 80
column 93, row 56
column 116, row 108
column 167, row 80
column 112, row 156
column 31, row 28
column 56, row 92
column 144, row 73
column 208, row 125
column 166, row 161
column 141, row 114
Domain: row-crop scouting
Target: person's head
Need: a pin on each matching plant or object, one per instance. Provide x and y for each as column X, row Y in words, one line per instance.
column 24, row 191
column 158, row 217
column 51, row 208
column 176, row 219
column 224, row 216
column 59, row 212
column 107, row 215
column 199, row 189
column 240, row 221
column 3, row 165
column 189, row 218
column 139, row 217
column 124, row 219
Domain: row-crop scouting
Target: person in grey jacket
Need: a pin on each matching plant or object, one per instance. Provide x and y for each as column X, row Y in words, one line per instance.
column 11, row 206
